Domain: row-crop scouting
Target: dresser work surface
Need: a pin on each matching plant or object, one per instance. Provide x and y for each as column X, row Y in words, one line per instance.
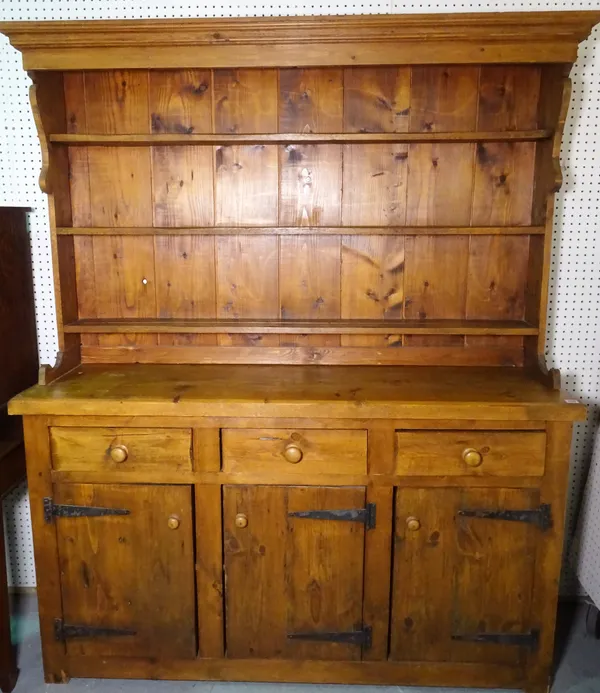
column 336, row 391
column 300, row 428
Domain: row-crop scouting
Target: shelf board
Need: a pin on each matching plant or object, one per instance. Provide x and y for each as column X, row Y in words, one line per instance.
column 305, row 231
column 228, row 326
column 159, row 139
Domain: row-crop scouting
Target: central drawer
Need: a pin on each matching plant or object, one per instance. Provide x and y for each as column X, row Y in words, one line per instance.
column 468, row 453
column 121, row 449
column 294, row 450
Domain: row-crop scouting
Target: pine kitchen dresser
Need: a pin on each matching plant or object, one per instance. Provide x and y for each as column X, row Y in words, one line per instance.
column 300, row 427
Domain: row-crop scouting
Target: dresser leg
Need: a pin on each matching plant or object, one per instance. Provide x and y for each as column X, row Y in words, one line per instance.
column 61, row 677
column 541, row 687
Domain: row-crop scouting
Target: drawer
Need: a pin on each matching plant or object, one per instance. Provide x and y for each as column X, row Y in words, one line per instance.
column 134, row 449
column 468, row 453
column 294, row 450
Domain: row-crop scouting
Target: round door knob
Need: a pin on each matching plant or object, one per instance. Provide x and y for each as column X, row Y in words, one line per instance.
column 173, row 522
column 472, row 457
column 413, row 524
column 119, row 453
column 293, row 453
column 241, row 520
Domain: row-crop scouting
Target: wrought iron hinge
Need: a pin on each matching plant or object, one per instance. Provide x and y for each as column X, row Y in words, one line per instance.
column 541, row 517
column 362, row 637
column 52, row 510
column 367, row 515
column 64, row 631
column 529, row 640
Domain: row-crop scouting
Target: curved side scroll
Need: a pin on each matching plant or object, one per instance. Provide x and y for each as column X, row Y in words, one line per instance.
column 49, row 115
column 39, row 125
column 66, row 361
column 554, row 108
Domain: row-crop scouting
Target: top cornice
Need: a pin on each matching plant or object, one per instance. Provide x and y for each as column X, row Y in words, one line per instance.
column 42, row 43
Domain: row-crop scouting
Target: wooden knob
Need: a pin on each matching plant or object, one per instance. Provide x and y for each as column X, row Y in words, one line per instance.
column 119, row 453
column 241, row 520
column 413, row 524
column 293, row 453
column 472, row 457
column 173, row 522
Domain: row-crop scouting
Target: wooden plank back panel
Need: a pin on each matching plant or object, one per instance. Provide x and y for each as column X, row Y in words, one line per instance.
column 448, row 184
column 180, row 101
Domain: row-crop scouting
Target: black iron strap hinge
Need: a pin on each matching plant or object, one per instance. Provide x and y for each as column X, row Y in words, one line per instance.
column 362, row 637
column 529, row 640
column 367, row 515
column 52, row 510
column 64, row 631
column 541, row 517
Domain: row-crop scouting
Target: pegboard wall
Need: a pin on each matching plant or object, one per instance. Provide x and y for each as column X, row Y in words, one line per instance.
column 573, row 340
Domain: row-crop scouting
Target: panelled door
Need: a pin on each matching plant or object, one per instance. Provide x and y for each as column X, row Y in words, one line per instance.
column 463, row 574
column 127, row 569
column 294, row 571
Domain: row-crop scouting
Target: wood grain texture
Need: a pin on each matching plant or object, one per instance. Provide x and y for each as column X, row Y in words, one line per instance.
column 209, row 571
column 497, row 273
column 374, row 184
column 107, row 582
column 435, row 276
column 309, row 277
column 86, row 448
column 503, row 186
column 441, row 454
column 120, row 187
column 246, row 187
column 247, row 277
column 125, row 284
column 311, row 101
column 245, row 101
column 180, row 101
column 310, row 186
column 182, row 186
column 185, row 283
column 337, row 451
column 306, row 575
column 443, row 98
column 508, row 97
column 372, row 283
column 440, row 183
column 437, row 566
column 377, row 99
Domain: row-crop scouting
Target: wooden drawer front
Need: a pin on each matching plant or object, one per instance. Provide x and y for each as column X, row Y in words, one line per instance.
column 264, row 450
column 490, row 453
column 134, row 449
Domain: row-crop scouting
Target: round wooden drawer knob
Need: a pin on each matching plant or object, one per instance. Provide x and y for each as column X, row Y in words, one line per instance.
column 293, row 453
column 173, row 522
column 119, row 453
column 241, row 520
column 413, row 524
column 472, row 457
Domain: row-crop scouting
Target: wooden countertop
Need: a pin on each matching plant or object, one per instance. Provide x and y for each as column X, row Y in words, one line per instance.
column 345, row 392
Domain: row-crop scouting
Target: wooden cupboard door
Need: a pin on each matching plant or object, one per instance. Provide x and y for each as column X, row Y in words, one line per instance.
column 287, row 574
column 132, row 572
column 457, row 576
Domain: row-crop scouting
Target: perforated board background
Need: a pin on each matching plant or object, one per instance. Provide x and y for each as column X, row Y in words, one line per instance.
column 574, row 315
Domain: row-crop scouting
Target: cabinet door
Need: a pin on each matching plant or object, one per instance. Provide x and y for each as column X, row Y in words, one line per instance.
column 287, row 575
column 132, row 572
column 457, row 576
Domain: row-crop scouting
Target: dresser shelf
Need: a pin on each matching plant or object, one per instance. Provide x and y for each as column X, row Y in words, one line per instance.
column 303, row 231
column 159, row 139
column 202, row 326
